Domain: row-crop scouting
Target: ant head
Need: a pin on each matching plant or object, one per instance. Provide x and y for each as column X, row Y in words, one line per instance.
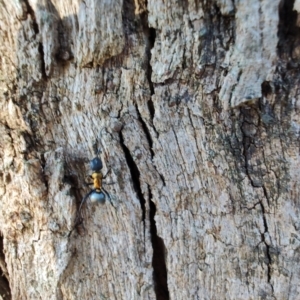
column 96, row 164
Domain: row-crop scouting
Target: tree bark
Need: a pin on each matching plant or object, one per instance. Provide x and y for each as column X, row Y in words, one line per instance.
column 195, row 107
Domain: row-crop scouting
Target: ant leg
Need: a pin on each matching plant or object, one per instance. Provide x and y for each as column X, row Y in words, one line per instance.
column 99, row 151
column 108, row 196
column 88, row 183
column 106, row 174
column 96, row 149
column 79, row 218
column 108, row 183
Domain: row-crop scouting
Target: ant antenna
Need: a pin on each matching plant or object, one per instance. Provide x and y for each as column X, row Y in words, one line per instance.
column 96, row 149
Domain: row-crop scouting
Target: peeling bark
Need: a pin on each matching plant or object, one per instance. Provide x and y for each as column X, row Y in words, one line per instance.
column 195, row 107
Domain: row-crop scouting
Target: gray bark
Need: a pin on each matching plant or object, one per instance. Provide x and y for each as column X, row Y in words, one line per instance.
column 195, row 106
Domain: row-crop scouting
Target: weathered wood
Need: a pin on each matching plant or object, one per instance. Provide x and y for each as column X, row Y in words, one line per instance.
column 195, row 106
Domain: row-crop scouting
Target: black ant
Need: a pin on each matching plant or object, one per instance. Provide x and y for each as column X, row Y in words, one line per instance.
column 98, row 193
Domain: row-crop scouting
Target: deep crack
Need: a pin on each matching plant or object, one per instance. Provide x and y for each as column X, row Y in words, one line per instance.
column 150, row 142
column 135, row 175
column 266, row 229
column 151, row 39
column 288, row 31
column 5, row 291
column 146, row 130
column 30, row 11
column 160, row 274
column 36, row 30
column 43, row 64
column 159, row 251
column 151, row 109
column 150, row 34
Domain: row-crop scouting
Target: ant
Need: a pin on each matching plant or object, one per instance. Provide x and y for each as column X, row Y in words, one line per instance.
column 98, row 193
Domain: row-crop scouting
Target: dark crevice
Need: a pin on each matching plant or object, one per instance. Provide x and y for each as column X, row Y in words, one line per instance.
column 248, row 139
column 288, row 38
column 35, row 26
column 266, row 194
column 130, row 20
column 149, row 139
column 152, row 114
column 159, row 251
column 288, row 32
column 162, row 178
column 64, row 53
column 160, row 275
column 266, row 88
column 266, row 229
column 146, row 131
column 30, row 146
column 43, row 65
column 151, row 108
column 30, row 11
column 5, row 292
column 150, row 35
column 43, row 165
column 135, row 175
column 264, row 217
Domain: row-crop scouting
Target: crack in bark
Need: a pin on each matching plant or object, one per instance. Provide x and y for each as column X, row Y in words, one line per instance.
column 146, row 130
column 247, row 140
column 36, row 30
column 150, row 36
column 30, row 11
column 150, row 142
column 5, row 291
column 44, row 177
column 151, row 41
column 135, row 175
column 158, row 260
column 288, row 31
column 266, row 230
column 160, row 274
column 151, row 109
column 43, row 64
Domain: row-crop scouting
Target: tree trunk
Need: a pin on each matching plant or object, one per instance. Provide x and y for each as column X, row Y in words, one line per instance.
column 195, row 107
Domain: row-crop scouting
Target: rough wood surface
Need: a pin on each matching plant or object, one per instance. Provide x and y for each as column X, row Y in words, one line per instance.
column 195, row 105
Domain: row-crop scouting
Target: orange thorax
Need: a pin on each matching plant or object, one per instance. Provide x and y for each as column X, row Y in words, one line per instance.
column 97, row 177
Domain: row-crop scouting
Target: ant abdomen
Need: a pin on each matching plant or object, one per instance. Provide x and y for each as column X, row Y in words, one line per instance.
column 98, row 197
